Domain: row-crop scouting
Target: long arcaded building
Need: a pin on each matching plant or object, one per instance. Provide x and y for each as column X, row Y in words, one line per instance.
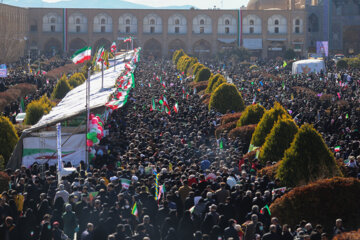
column 266, row 27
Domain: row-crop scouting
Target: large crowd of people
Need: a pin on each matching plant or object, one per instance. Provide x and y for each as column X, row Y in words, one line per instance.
column 182, row 184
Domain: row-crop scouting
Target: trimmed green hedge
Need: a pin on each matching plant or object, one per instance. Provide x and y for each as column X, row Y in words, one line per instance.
column 203, row 75
column 8, row 138
column 36, row 109
column 76, row 79
column 308, row 159
column 61, row 89
column 214, row 82
column 278, row 140
column 321, row 202
column 177, row 55
column 226, row 98
column 266, row 124
column 251, row 115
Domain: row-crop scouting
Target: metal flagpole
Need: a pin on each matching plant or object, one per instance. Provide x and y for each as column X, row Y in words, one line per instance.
column 132, row 43
column 115, row 61
column 102, row 74
column 58, row 138
column 87, row 115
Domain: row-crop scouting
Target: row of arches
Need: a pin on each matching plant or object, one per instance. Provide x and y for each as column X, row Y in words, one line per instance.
column 276, row 24
column 128, row 23
column 151, row 46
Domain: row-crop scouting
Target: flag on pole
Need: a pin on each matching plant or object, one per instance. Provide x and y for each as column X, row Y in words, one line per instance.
column 283, row 85
column 113, row 47
column 161, row 190
column 176, row 108
column 100, row 54
column 183, row 90
column 167, row 110
column 156, row 185
column 284, row 64
column 129, row 39
column 125, row 183
column 254, row 100
column 192, row 209
column 267, row 208
column 153, row 106
column 134, row 210
column 81, row 55
column 22, row 105
column 221, row 144
column 337, row 149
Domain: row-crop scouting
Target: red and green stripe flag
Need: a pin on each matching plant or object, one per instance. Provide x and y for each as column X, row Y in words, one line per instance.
column 113, row 47
column 100, row 54
column 129, row 39
column 176, row 108
column 134, row 210
column 267, row 208
column 153, row 106
column 81, row 55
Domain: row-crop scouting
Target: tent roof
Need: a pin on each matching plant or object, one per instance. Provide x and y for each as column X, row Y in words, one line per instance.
column 308, row 61
column 74, row 102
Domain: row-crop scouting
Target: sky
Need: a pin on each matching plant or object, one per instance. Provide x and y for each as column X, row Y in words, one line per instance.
column 203, row 4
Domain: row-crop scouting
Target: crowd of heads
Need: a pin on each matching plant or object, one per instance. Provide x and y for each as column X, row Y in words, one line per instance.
column 205, row 193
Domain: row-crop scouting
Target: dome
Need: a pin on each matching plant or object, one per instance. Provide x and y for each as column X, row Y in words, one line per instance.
column 268, row 4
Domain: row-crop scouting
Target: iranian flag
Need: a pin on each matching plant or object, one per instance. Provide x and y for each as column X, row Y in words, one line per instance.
column 125, row 183
column 81, row 55
column 100, row 54
column 153, row 106
column 165, row 101
column 129, row 39
column 176, row 107
column 113, row 47
column 134, row 210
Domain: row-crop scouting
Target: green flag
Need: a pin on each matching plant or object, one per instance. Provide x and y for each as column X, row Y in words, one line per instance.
column 22, row 105
column 221, row 145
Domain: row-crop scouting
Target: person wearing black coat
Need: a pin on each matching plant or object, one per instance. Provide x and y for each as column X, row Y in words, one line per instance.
column 230, row 231
column 8, row 230
column 186, row 226
column 272, row 235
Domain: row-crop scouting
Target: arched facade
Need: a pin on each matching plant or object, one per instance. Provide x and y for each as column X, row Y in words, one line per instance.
column 152, row 47
column 102, row 42
column 313, row 23
column 202, row 47
column 128, row 23
column 152, row 23
column 103, row 23
column 227, row 24
column 52, row 46
column 298, row 26
column 177, row 24
column 252, row 24
column 202, row 24
column 76, row 44
column 52, row 22
column 77, row 23
column 176, row 45
column 277, row 24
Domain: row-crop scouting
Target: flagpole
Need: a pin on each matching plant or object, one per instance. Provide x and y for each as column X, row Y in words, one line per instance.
column 114, row 61
column 102, row 74
column 87, row 115
column 58, row 141
column 132, row 43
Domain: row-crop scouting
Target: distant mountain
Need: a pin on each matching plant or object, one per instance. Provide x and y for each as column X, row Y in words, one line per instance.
column 88, row 4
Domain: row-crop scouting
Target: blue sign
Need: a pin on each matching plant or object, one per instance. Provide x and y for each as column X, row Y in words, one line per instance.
column 322, row 47
column 3, row 70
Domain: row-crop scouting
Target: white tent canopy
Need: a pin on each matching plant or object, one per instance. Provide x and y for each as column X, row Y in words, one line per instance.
column 74, row 102
column 308, row 66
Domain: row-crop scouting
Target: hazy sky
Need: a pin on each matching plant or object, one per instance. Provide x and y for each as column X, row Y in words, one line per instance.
column 197, row 3
column 204, row 4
